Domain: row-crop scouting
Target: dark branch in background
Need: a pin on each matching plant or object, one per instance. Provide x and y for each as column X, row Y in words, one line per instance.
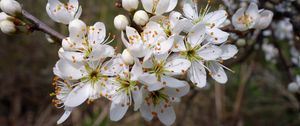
column 283, row 62
column 41, row 26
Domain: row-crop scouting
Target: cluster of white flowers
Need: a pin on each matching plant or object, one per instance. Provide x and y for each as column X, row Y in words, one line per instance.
column 165, row 51
column 147, row 74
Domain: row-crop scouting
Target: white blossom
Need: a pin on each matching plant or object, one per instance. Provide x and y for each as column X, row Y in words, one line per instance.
column 92, row 78
column 63, row 12
column 86, row 43
column 153, row 40
column 203, row 55
column 125, row 91
column 160, row 103
column 248, row 18
column 160, row 72
column 213, row 21
column 245, row 18
column 62, row 90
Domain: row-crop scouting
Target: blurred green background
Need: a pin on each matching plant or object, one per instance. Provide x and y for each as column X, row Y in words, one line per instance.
column 254, row 96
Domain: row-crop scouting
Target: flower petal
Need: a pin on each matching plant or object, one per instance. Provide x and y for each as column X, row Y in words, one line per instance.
column 172, row 5
column 217, row 36
column 197, row 74
column 117, row 111
column 163, row 6
column 228, row 51
column 65, row 70
column 196, row 35
column 137, row 98
column 96, row 34
column 78, row 95
column 100, row 52
column 216, row 18
column 252, row 11
column 167, row 116
column 210, row 52
column 177, row 66
column 151, row 81
column 146, row 112
column 177, row 92
column 264, row 20
column 72, row 57
column 114, row 67
column 179, row 44
column 136, row 70
column 64, row 117
column 148, row 5
column 78, row 30
column 217, row 72
column 163, row 47
column 190, row 12
column 172, row 82
column 236, row 22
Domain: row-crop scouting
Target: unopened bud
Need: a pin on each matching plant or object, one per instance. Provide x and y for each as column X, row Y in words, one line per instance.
column 130, row 5
column 11, row 7
column 121, row 22
column 7, row 27
column 140, row 17
column 4, row 16
column 127, row 57
column 241, row 42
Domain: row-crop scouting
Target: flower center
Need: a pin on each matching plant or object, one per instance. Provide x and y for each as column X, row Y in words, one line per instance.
column 155, row 97
column 126, row 85
column 158, row 68
column 191, row 53
column 245, row 19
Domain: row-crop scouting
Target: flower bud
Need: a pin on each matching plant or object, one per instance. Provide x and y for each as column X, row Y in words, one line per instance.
column 7, row 27
column 121, row 22
column 140, row 17
column 130, row 5
column 127, row 57
column 241, row 42
column 4, row 16
column 11, row 7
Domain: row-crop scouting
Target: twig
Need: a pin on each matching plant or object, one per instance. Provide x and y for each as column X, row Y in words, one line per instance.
column 245, row 76
column 41, row 26
column 283, row 61
column 219, row 101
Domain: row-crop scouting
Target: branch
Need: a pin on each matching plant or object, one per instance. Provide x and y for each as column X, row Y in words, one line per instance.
column 41, row 26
